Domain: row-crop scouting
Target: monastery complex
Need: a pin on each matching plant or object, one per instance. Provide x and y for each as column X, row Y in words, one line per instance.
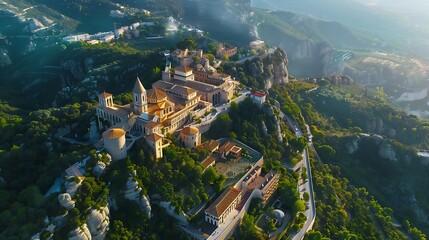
column 183, row 94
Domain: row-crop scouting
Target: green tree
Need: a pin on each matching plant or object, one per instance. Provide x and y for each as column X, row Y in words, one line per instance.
column 271, row 226
column 326, row 152
column 313, row 235
column 210, row 176
column 306, row 196
column 298, row 206
column 187, row 43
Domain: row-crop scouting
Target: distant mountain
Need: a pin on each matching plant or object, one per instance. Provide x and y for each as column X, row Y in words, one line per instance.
column 388, row 20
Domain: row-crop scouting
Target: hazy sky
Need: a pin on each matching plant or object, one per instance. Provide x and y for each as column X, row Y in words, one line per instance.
column 409, row 6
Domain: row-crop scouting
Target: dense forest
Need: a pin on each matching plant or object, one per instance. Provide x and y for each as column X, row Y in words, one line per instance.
column 31, row 158
column 367, row 141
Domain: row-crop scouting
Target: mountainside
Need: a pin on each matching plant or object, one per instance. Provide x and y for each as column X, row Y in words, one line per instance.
column 359, row 131
column 394, row 24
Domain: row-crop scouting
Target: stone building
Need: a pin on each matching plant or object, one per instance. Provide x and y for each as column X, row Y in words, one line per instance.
column 190, row 137
column 160, row 110
column 220, row 209
column 115, row 143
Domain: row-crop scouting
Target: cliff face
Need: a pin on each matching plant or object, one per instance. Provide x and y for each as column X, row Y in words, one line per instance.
column 315, row 58
column 266, row 69
column 280, row 71
column 313, row 47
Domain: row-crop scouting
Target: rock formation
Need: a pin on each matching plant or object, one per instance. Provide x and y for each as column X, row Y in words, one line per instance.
column 60, row 220
column 66, row 201
column 132, row 189
column 181, row 217
column 99, row 169
column 280, row 72
column 386, row 151
column 353, row 145
column 279, row 131
column 80, row 233
column 98, row 223
column 145, row 205
column 264, row 128
column 132, row 192
column 72, row 184
column 101, row 165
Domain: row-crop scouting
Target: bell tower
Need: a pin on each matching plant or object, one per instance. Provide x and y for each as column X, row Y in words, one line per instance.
column 139, row 98
column 105, row 99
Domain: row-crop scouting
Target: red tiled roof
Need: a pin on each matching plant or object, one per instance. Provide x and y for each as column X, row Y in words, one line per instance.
column 208, row 161
column 259, row 94
column 210, row 145
column 226, row 147
column 219, row 206
column 156, row 94
column 189, row 130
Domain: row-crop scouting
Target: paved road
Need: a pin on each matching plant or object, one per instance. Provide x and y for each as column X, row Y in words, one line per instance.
column 310, row 212
column 273, row 235
column 220, row 109
column 307, row 186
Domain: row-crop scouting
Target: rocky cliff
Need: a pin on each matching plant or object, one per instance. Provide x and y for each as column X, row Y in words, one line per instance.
column 98, row 223
column 279, row 67
column 264, row 70
column 314, row 47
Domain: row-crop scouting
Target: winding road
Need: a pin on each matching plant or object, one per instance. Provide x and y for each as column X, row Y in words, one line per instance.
column 307, row 186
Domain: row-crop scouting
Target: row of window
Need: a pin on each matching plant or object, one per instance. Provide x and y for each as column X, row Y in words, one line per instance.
column 108, row 116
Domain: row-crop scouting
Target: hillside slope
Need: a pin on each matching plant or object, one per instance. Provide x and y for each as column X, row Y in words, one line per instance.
column 358, row 131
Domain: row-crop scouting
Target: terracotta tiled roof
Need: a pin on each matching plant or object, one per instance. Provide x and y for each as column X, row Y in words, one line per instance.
column 189, row 130
column 156, row 94
column 113, row 133
column 208, row 161
column 226, row 147
column 210, row 145
column 259, row 94
column 159, row 106
column 219, row 206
